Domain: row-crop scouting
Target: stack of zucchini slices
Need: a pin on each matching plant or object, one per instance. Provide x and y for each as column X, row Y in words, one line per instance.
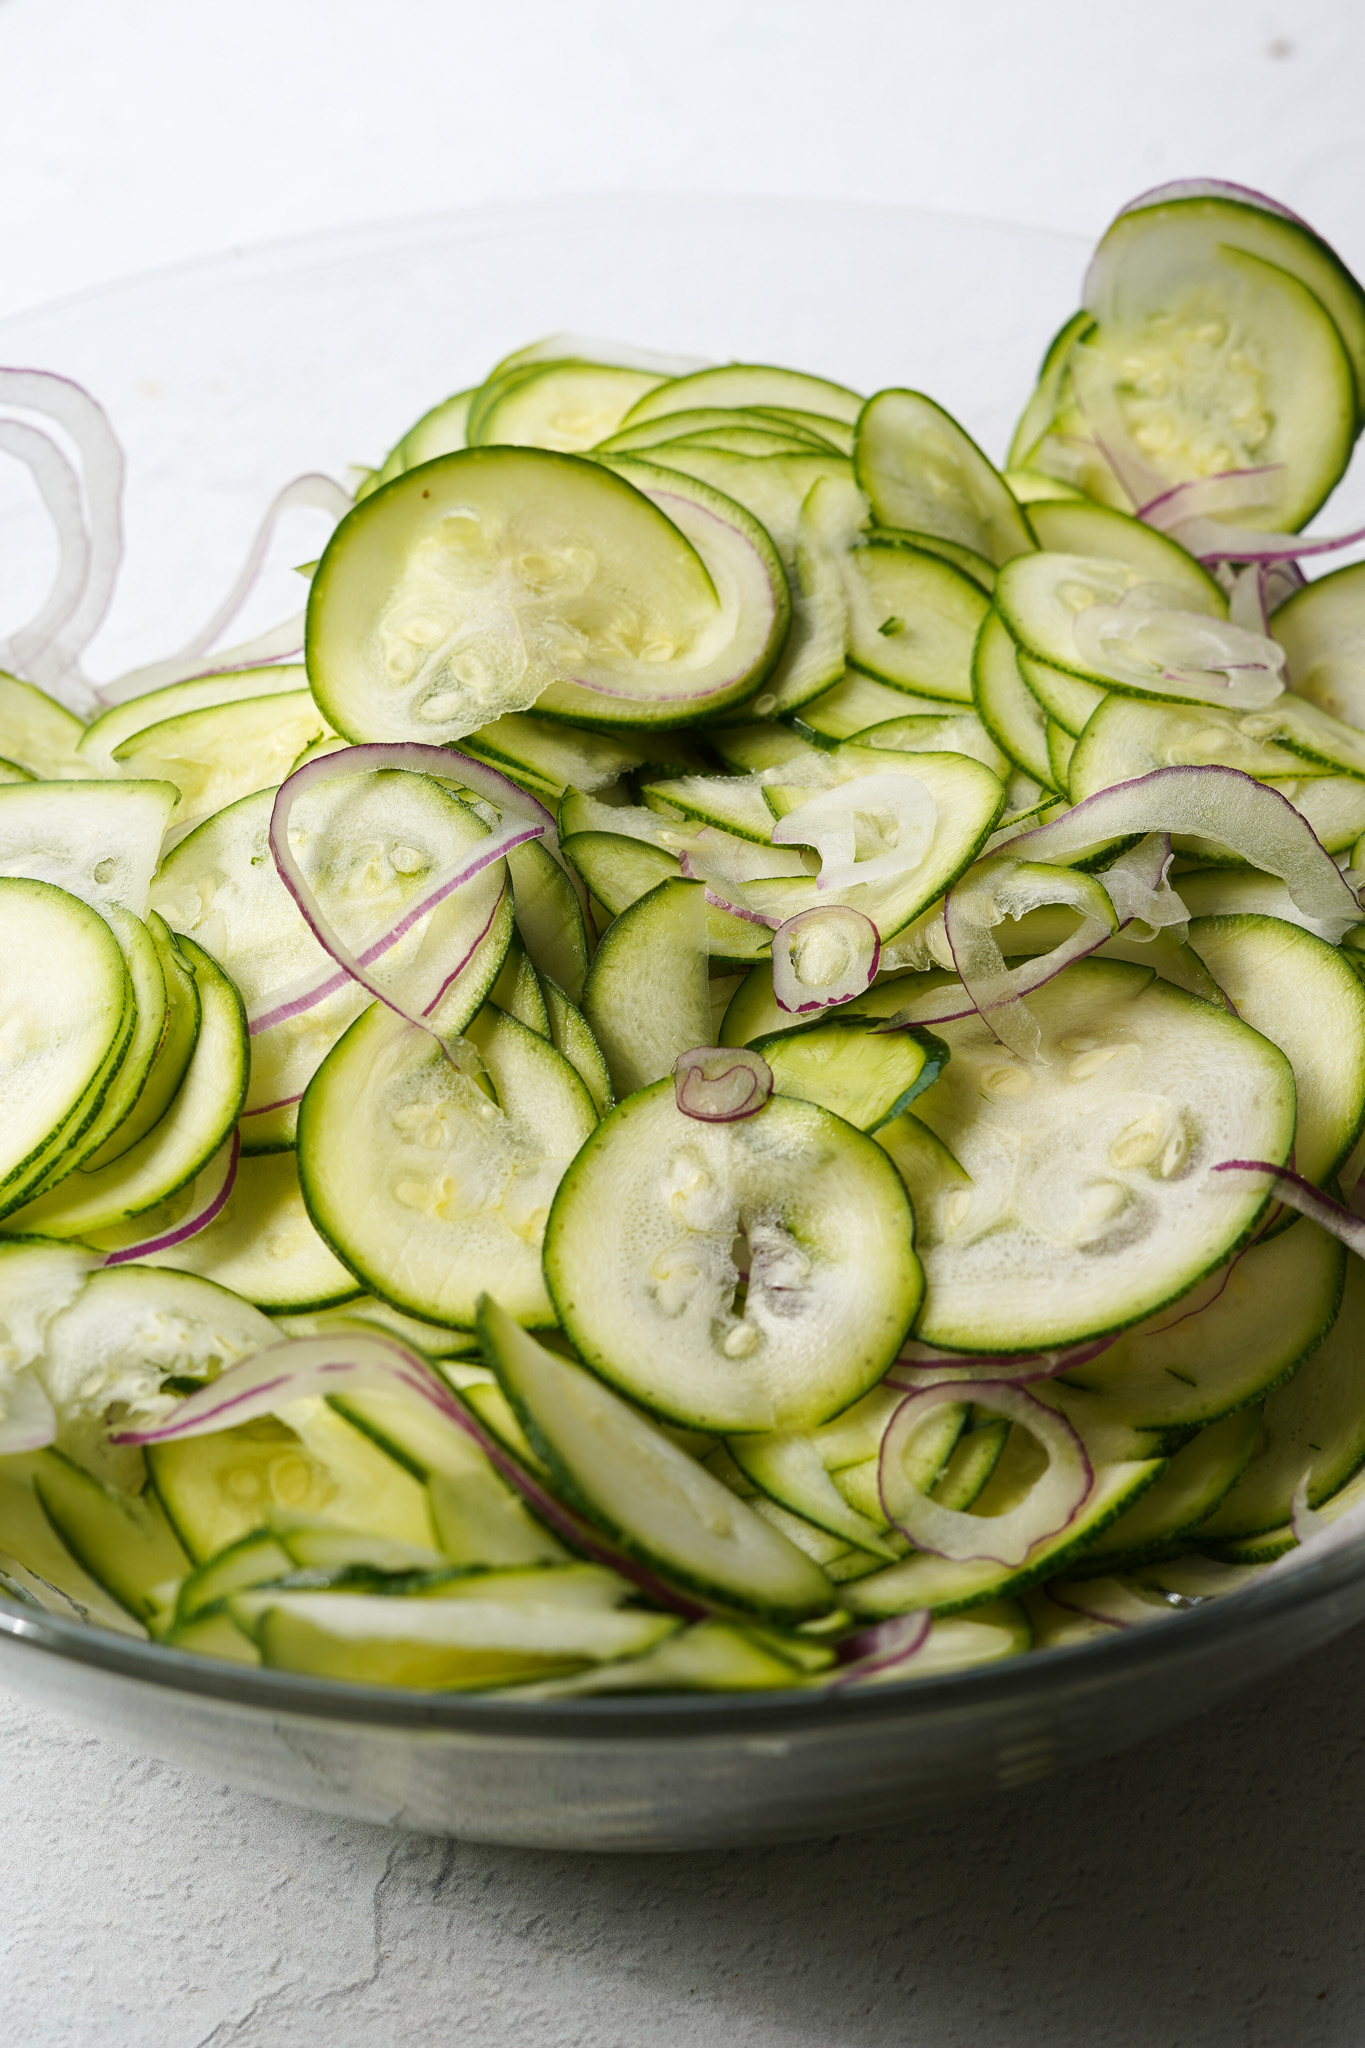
column 751, row 1076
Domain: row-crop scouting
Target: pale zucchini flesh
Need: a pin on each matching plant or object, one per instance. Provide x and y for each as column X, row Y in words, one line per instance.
column 640, row 1262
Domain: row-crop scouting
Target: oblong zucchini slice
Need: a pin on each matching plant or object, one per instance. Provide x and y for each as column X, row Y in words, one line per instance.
column 1093, row 1195
column 924, row 472
column 624, row 1474
column 65, row 1021
column 424, row 1183
column 445, row 600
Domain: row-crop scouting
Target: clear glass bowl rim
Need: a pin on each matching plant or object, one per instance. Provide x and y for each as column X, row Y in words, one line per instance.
column 1102, row 1661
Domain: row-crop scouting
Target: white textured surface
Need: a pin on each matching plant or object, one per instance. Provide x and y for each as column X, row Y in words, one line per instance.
column 1201, row 1893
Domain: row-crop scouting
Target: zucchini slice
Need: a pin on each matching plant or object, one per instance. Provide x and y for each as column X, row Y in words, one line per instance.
column 733, row 1277
column 621, row 1471
column 922, row 471
column 1093, row 1197
column 422, row 1182
column 506, row 577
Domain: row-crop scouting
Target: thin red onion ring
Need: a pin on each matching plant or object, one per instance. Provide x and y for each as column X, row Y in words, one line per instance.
column 59, row 487
column 1049, row 1507
column 362, row 760
column 1213, row 542
column 859, row 945
column 1138, row 892
column 283, row 642
column 1212, row 802
column 721, row 1084
column 980, row 901
column 725, row 864
column 919, row 1366
column 264, row 1108
column 1191, row 500
column 222, row 1169
column 85, row 421
column 308, row 991
column 322, row 494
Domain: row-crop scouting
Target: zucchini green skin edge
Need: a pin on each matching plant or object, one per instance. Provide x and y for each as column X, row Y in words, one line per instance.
column 810, row 1592
column 577, row 1284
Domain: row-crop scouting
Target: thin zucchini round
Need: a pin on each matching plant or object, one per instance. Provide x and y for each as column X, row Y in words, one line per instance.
column 660, row 1218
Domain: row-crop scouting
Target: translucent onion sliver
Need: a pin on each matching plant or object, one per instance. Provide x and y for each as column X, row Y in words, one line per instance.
column 824, row 956
column 321, row 493
column 361, row 760
column 721, row 1084
column 884, row 1647
column 1049, row 1507
column 56, row 664
column 1297, row 1193
column 1219, row 803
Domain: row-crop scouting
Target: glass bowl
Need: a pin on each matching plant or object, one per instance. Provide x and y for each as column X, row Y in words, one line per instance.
column 226, row 377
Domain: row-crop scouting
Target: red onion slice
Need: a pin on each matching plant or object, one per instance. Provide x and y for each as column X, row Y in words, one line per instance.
column 1184, row 511
column 828, row 821
column 264, row 1108
column 309, row 990
column 1049, row 1506
column 1214, row 803
column 919, row 1366
column 320, row 493
column 413, row 756
column 59, row 487
column 1138, row 894
column 1214, row 496
column 1257, row 590
column 278, row 643
column 56, row 665
column 1297, row 1193
column 1278, row 582
column 721, row 1084
column 824, row 956
column 886, row 1646
column 212, row 1189
column 1213, row 542
column 1213, row 188
column 997, row 888
column 299, row 1369
column 726, row 863
column 314, row 1368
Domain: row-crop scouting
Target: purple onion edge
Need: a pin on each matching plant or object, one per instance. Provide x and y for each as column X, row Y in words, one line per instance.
column 962, row 1390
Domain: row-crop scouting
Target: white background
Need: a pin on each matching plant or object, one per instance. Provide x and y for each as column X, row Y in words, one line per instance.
column 136, row 132
column 1205, row 1891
